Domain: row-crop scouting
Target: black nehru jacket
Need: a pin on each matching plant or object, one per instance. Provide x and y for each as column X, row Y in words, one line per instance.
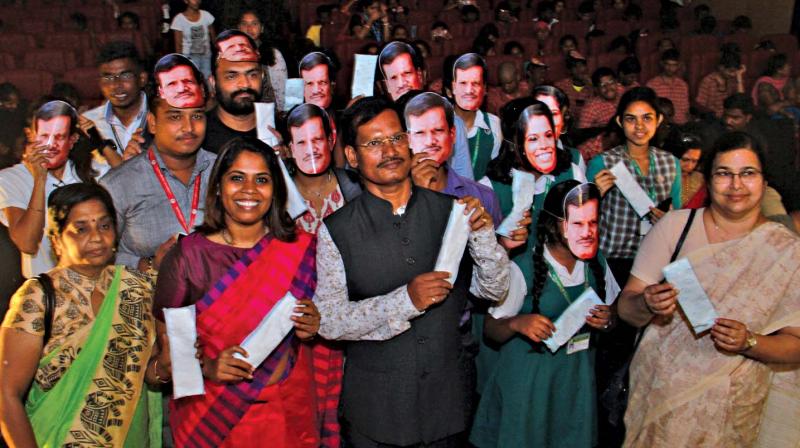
column 408, row 389
column 217, row 133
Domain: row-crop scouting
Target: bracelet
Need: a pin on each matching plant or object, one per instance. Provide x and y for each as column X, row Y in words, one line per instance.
column 155, row 372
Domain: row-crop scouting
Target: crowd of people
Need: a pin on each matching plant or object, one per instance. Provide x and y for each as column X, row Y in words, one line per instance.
column 329, row 222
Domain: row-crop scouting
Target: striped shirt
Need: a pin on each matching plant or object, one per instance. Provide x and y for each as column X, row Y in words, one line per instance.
column 621, row 228
column 676, row 90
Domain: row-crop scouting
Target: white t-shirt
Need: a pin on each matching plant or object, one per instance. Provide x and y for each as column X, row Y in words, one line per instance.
column 16, row 185
column 195, row 34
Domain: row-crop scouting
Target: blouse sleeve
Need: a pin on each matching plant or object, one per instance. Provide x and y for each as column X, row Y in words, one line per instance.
column 657, row 247
column 172, row 286
column 26, row 309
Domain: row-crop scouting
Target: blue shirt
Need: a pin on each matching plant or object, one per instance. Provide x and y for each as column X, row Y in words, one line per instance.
column 459, row 186
column 460, row 161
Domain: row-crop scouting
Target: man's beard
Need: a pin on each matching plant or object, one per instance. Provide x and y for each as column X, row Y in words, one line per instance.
column 234, row 107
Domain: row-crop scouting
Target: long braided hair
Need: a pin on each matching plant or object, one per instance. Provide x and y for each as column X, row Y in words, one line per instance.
column 548, row 231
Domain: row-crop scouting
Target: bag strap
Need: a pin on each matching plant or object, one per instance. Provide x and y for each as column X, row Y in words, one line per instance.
column 683, row 235
column 674, row 256
column 49, row 305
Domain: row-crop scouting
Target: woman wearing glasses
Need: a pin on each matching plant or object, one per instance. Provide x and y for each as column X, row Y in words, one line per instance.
column 734, row 378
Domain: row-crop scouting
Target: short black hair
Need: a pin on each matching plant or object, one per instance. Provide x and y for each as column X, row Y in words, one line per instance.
column 671, row 55
column 731, row 141
column 128, row 15
column 304, row 112
column 314, row 59
column 394, row 49
column 63, row 199
column 361, row 112
column 425, row 101
column 730, row 59
column 222, row 37
column 739, row 101
column 601, row 73
column 629, row 65
column 119, row 49
column 469, row 60
column 565, row 38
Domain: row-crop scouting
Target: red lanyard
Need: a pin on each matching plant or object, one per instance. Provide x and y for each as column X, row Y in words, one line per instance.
column 171, row 196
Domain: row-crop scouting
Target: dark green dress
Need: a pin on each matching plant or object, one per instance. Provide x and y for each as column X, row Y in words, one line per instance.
column 523, row 257
column 480, row 149
column 539, row 399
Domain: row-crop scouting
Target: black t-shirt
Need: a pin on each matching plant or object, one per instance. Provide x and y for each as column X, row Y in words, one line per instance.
column 217, row 133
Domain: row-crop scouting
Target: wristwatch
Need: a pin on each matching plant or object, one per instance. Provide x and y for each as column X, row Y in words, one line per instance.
column 751, row 340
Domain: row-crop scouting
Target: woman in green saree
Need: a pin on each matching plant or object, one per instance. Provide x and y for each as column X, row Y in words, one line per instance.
column 85, row 382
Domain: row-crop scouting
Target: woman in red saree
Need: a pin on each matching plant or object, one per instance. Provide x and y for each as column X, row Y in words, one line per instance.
column 244, row 258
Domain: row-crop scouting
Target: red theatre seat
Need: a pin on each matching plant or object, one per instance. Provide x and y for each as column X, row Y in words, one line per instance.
column 54, row 61
column 31, row 83
column 17, row 43
column 85, row 80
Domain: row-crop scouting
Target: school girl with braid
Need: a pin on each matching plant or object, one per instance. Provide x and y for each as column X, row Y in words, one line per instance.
column 532, row 152
column 535, row 397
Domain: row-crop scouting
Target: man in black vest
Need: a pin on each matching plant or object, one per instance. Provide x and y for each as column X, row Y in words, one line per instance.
column 404, row 376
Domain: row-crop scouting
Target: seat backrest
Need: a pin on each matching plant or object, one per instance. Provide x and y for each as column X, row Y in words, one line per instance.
column 31, row 83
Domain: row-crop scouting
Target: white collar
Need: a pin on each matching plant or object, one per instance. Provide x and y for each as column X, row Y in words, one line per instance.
column 567, row 279
column 480, row 121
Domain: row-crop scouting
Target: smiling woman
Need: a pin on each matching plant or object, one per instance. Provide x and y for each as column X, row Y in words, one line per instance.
column 94, row 338
column 235, row 268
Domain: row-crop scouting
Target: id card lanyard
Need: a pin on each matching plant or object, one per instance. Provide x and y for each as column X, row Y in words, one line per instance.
column 171, row 196
column 651, row 190
column 557, row 281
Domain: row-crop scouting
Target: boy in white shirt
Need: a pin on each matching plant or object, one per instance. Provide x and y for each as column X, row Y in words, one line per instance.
column 194, row 32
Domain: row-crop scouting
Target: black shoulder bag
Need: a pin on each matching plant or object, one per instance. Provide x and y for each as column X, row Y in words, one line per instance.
column 49, row 305
column 615, row 397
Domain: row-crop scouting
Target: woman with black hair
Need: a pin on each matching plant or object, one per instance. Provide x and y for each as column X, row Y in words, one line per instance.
column 540, row 397
column 532, row 153
column 76, row 344
column 236, row 267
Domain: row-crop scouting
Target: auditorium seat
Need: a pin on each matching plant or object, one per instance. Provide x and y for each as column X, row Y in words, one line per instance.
column 67, row 40
column 54, row 61
column 85, row 81
column 31, row 83
column 7, row 61
column 17, row 43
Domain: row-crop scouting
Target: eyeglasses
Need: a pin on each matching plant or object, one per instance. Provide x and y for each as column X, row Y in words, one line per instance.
column 124, row 77
column 725, row 177
column 380, row 143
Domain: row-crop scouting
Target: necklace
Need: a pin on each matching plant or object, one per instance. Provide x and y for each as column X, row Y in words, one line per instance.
column 226, row 236
column 318, row 192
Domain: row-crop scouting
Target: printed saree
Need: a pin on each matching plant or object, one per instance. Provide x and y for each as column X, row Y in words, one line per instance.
column 279, row 414
column 99, row 399
column 684, row 392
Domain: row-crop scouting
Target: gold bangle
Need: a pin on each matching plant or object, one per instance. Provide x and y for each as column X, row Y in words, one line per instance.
column 155, row 372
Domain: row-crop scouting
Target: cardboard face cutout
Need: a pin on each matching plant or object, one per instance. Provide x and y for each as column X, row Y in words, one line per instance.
column 469, row 87
column 400, row 75
column 430, row 133
column 311, row 149
column 237, row 48
column 317, row 86
column 55, row 139
column 580, row 224
column 181, row 86
column 540, row 144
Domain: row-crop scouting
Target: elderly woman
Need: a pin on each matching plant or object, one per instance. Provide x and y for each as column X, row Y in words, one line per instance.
column 79, row 349
column 730, row 378
column 235, row 268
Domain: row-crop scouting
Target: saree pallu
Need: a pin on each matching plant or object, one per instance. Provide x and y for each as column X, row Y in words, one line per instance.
column 252, row 412
column 684, row 392
column 100, row 399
